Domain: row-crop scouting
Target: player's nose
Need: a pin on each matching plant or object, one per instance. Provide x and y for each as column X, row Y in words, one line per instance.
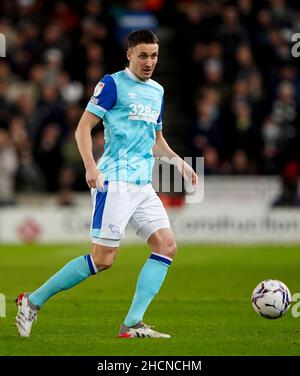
column 148, row 62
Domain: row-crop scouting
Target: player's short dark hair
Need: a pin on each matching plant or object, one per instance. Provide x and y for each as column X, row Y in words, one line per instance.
column 142, row 36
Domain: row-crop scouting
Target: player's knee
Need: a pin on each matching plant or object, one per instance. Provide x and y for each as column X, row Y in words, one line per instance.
column 103, row 263
column 104, row 266
column 169, row 248
column 104, row 257
column 172, row 247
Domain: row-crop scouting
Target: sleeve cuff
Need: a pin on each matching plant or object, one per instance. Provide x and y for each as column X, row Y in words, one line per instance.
column 96, row 110
column 158, row 127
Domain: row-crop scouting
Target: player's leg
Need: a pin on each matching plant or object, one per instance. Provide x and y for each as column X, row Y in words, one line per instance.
column 150, row 280
column 73, row 273
column 104, row 249
column 152, row 224
column 162, row 243
column 107, row 229
column 77, row 270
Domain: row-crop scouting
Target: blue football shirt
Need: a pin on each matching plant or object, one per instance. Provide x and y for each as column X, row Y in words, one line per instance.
column 131, row 110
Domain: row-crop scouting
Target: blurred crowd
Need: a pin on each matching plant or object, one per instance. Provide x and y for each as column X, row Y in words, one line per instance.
column 240, row 82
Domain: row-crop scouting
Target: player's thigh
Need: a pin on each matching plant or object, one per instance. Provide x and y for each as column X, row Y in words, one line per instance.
column 112, row 210
column 151, row 223
column 149, row 216
column 162, row 241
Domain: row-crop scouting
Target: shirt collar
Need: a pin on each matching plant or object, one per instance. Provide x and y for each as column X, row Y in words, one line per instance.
column 132, row 76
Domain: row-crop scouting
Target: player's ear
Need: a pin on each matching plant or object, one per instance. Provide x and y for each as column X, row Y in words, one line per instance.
column 129, row 54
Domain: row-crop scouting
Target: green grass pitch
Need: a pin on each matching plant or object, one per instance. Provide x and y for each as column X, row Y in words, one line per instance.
column 204, row 303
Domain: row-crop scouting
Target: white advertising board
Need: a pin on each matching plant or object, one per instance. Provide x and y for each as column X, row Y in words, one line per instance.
column 233, row 210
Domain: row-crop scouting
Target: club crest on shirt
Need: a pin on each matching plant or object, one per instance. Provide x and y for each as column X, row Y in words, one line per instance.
column 98, row 88
column 114, row 229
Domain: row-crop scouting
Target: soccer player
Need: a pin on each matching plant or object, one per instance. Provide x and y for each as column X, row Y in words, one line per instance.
column 130, row 105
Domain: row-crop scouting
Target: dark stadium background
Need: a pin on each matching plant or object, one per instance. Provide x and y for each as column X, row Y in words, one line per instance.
column 232, row 85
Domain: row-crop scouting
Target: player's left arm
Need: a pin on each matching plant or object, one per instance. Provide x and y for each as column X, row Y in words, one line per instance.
column 161, row 149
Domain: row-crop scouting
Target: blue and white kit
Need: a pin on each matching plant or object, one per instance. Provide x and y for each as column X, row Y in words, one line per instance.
column 131, row 111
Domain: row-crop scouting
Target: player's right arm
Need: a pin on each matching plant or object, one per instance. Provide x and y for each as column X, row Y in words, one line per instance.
column 103, row 100
column 84, row 142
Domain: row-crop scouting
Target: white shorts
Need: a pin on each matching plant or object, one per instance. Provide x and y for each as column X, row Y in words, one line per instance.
column 121, row 203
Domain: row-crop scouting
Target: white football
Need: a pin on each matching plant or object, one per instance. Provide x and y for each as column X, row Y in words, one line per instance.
column 271, row 299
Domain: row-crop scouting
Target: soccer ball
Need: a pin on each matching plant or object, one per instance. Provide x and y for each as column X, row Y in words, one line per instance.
column 271, row 299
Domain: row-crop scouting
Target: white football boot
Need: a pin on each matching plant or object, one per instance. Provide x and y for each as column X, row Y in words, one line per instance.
column 27, row 314
column 140, row 330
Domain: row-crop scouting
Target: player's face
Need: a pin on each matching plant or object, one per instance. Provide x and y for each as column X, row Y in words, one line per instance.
column 142, row 60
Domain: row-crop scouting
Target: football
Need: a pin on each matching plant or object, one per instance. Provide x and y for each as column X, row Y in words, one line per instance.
column 271, row 299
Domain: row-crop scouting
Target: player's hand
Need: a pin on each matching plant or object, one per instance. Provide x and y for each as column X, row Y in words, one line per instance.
column 94, row 178
column 188, row 174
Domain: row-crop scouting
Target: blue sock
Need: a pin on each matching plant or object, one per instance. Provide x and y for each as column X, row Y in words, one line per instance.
column 71, row 274
column 149, row 282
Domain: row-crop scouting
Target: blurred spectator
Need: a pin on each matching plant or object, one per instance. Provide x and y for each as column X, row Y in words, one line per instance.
column 207, row 122
column 244, row 127
column 69, row 151
column 280, row 13
column 66, row 184
column 64, row 15
column 289, row 186
column 70, row 91
column 8, row 168
column 212, row 71
column 284, row 108
column 230, row 33
column 240, row 163
column 271, row 146
column 29, row 177
column 244, row 61
column 256, row 95
column 54, row 39
column 285, row 113
column 49, row 107
column 48, row 155
column 288, row 73
column 6, row 108
column 18, row 134
column 211, row 161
